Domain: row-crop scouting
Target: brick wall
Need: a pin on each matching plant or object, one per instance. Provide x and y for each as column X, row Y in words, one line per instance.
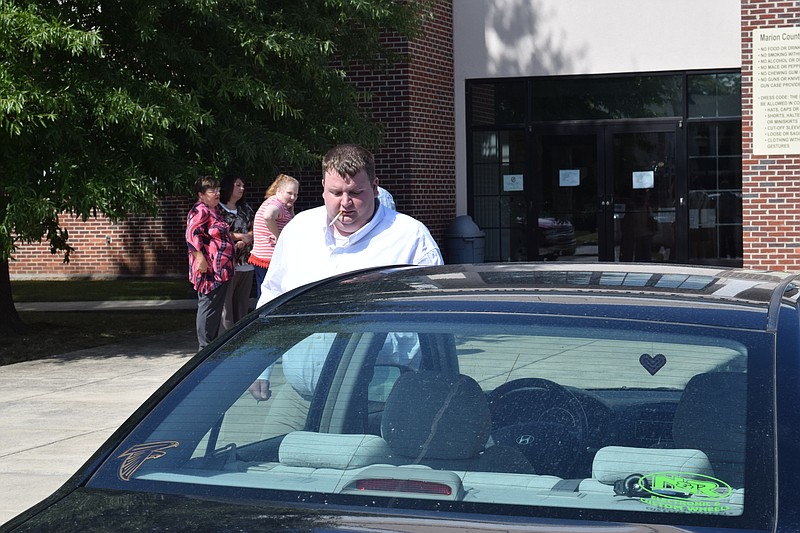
column 770, row 184
column 414, row 102
column 432, row 135
column 137, row 247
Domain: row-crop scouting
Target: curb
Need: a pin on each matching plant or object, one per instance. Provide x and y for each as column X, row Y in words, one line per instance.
column 121, row 305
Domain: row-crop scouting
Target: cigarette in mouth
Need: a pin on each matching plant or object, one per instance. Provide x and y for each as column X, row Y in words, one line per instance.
column 338, row 215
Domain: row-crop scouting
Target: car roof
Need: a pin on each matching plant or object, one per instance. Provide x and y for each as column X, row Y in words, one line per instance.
column 494, row 286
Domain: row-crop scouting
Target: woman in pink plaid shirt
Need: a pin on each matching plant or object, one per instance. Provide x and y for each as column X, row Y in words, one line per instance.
column 211, row 257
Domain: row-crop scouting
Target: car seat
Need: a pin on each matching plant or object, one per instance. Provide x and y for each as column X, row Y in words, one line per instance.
column 711, row 416
column 442, row 420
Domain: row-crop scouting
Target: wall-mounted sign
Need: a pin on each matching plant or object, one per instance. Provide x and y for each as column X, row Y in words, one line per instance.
column 570, row 177
column 512, row 182
column 776, row 91
column 643, row 179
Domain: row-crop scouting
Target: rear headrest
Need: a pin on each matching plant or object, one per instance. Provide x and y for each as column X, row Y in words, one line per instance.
column 330, row 450
column 436, row 415
column 613, row 463
column 712, row 416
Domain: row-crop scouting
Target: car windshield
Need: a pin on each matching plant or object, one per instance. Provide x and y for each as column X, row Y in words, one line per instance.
column 450, row 410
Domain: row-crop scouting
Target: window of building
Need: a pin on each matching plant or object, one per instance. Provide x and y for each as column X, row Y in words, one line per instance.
column 499, row 209
column 714, row 150
column 612, row 98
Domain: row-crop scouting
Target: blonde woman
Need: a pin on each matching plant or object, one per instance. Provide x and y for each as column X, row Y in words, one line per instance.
column 275, row 212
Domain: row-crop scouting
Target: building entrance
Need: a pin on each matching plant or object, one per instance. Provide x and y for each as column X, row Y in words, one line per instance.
column 608, row 193
column 608, row 168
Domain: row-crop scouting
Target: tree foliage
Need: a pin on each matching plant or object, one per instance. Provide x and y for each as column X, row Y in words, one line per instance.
column 105, row 106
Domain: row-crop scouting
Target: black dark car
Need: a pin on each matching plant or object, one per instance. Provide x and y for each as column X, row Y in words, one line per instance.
column 557, row 238
column 479, row 397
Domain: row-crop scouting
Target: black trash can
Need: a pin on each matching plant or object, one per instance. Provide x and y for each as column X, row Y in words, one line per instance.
column 465, row 241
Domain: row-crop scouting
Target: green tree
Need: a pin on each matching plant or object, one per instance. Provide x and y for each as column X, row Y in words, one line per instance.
column 105, row 106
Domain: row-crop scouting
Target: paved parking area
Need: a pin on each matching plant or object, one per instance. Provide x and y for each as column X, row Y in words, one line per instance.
column 54, row 413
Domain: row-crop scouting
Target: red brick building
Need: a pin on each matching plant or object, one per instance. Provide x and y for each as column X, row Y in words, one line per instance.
column 771, row 183
column 554, row 125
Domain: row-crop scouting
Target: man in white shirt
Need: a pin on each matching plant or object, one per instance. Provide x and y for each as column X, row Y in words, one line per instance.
column 350, row 232
column 353, row 230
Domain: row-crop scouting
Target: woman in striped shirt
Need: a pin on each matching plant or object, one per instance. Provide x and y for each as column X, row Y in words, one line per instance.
column 275, row 212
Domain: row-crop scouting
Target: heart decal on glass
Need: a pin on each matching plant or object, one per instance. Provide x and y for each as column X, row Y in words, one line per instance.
column 652, row 363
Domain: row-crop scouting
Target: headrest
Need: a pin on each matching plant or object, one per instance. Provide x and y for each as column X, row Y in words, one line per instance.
column 712, row 405
column 712, row 416
column 613, row 463
column 330, row 450
column 436, row 415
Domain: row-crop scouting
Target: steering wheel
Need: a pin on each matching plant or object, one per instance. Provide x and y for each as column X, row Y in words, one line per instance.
column 543, row 420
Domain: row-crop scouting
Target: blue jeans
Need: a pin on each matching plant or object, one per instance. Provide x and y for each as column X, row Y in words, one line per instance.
column 260, row 275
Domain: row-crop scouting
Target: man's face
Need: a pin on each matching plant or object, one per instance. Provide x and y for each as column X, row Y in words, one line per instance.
column 353, row 196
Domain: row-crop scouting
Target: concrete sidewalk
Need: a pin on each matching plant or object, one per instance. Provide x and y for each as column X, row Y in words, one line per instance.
column 55, row 412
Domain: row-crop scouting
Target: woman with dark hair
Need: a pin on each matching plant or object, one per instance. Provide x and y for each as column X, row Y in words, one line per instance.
column 239, row 216
column 211, row 256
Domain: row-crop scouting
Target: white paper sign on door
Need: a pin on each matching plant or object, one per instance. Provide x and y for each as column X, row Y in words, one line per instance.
column 644, row 179
column 512, row 182
column 570, row 177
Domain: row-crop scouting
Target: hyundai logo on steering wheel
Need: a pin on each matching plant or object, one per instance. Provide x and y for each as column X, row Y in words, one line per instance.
column 524, row 440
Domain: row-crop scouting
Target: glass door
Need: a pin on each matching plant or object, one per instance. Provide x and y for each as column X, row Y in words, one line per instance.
column 607, row 193
column 568, row 221
column 642, row 194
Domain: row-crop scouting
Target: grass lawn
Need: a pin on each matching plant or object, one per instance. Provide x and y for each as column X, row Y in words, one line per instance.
column 54, row 333
column 87, row 290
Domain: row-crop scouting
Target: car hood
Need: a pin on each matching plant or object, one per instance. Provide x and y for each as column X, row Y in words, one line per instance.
column 91, row 510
